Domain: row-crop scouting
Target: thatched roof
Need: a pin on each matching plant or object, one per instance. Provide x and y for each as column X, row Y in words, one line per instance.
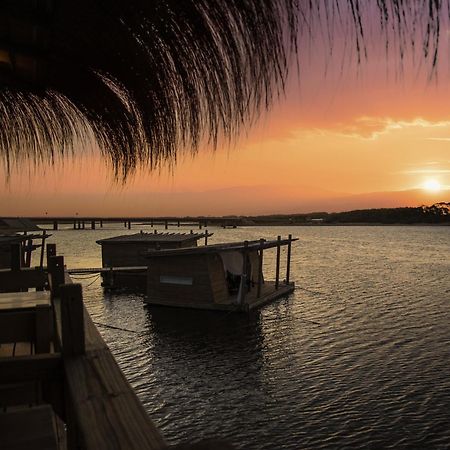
column 16, row 225
column 147, row 78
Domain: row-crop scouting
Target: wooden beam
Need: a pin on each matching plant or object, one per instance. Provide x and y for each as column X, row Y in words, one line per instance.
column 42, row 367
column 26, row 278
column 72, row 322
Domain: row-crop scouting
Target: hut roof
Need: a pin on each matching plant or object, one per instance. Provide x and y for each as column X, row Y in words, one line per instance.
column 15, row 225
column 153, row 237
column 220, row 248
column 15, row 238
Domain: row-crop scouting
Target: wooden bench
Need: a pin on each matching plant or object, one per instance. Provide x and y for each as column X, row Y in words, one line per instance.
column 29, row 428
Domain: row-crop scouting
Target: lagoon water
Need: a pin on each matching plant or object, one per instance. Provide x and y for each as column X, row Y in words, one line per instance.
column 357, row 357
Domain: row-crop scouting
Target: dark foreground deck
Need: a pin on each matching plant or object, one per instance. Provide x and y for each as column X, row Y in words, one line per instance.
column 60, row 386
column 268, row 294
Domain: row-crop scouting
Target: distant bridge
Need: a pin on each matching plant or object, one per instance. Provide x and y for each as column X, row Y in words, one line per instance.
column 81, row 223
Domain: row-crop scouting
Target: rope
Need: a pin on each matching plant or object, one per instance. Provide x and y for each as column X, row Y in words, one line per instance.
column 116, row 328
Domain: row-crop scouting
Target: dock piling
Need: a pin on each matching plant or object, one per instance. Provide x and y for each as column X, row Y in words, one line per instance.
column 277, row 269
column 288, row 263
column 72, row 320
column 260, row 267
column 56, row 272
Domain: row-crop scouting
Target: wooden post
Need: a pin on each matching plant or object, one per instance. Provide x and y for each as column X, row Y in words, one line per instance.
column 277, row 269
column 243, row 289
column 84, row 224
column 178, row 224
column 16, row 256
column 51, row 251
column 260, row 267
column 166, row 224
column 56, row 271
column 199, row 224
column 206, row 237
column 43, row 328
column 72, row 320
column 55, row 225
column 288, row 262
column 101, row 223
column 151, row 223
column 129, row 224
column 41, row 259
column 29, row 247
column 92, row 224
column 74, row 224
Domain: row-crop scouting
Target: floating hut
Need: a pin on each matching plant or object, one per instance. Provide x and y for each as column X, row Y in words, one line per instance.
column 216, row 277
column 15, row 248
column 129, row 252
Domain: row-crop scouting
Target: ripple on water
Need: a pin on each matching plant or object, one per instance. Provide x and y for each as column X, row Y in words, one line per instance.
column 357, row 357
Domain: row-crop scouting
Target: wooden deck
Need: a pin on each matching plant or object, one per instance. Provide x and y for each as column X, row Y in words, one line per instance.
column 252, row 301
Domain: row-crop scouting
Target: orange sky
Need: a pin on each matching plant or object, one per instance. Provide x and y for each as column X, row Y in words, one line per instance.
column 361, row 137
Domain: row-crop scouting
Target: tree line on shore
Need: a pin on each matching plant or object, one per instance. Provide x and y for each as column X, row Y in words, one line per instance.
column 438, row 213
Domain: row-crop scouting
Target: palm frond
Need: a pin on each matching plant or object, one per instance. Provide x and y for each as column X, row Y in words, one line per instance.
column 147, row 78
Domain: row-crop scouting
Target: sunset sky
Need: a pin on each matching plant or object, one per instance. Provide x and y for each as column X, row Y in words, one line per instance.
column 344, row 136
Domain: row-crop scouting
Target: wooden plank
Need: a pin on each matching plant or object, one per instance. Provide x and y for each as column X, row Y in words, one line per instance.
column 32, row 367
column 16, row 280
column 29, row 428
column 107, row 410
column 23, row 300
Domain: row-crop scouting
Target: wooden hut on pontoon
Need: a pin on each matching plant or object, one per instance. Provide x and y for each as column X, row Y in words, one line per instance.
column 18, row 239
column 217, row 277
column 129, row 251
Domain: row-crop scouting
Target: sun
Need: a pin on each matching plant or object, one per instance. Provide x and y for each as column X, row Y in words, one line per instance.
column 432, row 186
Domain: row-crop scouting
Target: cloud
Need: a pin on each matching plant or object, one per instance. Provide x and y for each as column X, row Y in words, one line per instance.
column 371, row 128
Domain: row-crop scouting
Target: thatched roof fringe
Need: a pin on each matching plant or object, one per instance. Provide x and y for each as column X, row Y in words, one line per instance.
column 147, row 78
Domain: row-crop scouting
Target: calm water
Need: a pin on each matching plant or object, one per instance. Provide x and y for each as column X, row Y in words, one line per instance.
column 358, row 356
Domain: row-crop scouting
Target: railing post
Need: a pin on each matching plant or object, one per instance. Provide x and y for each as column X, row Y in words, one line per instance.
column 243, row 286
column 260, row 267
column 16, row 256
column 56, row 271
column 51, row 251
column 41, row 258
column 288, row 263
column 277, row 269
column 72, row 320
